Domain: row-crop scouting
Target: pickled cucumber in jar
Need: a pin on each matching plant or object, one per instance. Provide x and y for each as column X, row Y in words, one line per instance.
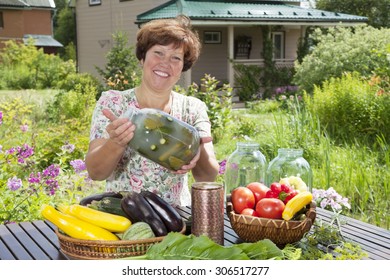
column 162, row 138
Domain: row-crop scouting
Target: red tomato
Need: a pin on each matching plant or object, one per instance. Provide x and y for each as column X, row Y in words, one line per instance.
column 271, row 208
column 250, row 212
column 258, row 189
column 242, row 198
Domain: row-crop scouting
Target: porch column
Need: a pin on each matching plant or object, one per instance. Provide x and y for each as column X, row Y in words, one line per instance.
column 187, row 78
column 230, row 43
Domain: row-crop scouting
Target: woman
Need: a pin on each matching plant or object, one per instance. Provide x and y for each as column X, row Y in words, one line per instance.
column 165, row 49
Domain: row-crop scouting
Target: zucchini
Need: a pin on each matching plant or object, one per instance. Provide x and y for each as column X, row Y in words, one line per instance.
column 167, row 213
column 109, row 205
column 111, row 222
column 99, row 196
column 139, row 210
column 296, row 203
column 75, row 227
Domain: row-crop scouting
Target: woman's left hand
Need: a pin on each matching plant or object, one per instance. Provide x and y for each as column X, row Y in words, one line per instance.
column 185, row 168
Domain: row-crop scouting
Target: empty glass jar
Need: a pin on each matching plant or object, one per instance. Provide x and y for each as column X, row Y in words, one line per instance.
column 245, row 165
column 289, row 164
column 162, row 138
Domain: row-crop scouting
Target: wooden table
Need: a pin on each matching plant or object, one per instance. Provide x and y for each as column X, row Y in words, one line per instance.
column 37, row 240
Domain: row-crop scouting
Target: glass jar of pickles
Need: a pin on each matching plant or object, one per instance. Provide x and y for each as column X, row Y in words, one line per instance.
column 162, row 138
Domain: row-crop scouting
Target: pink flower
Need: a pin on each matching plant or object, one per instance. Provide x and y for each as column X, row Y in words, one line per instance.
column 24, row 127
column 135, row 183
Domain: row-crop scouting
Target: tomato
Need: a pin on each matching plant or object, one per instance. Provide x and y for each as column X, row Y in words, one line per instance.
column 271, row 208
column 242, row 198
column 250, row 212
column 258, row 189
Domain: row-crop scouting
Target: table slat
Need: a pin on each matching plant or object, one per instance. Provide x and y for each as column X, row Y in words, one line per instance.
column 12, row 243
column 45, row 237
column 27, row 241
column 5, row 254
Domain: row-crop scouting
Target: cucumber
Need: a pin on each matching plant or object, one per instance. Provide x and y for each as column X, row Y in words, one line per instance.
column 137, row 231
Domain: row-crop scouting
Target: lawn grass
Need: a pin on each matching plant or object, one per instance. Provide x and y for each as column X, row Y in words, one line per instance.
column 39, row 97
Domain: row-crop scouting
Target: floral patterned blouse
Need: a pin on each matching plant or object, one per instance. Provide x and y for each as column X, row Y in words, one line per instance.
column 135, row 172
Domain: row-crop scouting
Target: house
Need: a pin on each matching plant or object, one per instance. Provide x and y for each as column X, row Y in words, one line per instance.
column 21, row 20
column 231, row 31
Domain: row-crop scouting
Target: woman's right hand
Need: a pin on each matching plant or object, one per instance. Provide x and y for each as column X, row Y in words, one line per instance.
column 120, row 130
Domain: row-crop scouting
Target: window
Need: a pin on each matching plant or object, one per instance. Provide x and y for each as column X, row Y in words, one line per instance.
column 278, row 44
column 1, row 20
column 95, row 2
column 212, row 37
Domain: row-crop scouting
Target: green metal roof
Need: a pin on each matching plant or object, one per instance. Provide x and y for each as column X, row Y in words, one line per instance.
column 245, row 11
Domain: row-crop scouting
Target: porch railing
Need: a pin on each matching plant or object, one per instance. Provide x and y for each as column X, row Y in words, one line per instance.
column 279, row 63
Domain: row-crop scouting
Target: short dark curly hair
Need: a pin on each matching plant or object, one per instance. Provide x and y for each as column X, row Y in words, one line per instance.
column 167, row 31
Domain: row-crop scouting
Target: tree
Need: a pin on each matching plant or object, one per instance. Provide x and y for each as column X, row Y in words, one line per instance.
column 122, row 70
column 377, row 11
column 66, row 32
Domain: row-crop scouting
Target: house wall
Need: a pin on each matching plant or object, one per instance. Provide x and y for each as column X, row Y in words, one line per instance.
column 292, row 36
column 213, row 58
column 97, row 24
column 20, row 22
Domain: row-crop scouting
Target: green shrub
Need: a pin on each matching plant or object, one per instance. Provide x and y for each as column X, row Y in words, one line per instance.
column 263, row 106
column 340, row 50
column 71, row 81
column 349, row 107
column 247, row 81
column 26, row 67
column 18, row 77
column 75, row 104
column 245, row 126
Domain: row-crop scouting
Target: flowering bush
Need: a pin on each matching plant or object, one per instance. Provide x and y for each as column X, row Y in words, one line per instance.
column 29, row 177
column 331, row 200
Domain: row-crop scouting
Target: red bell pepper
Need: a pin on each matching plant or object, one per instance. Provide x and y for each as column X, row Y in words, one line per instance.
column 281, row 191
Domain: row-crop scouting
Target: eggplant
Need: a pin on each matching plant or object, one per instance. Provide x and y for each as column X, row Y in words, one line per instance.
column 139, row 210
column 99, row 196
column 167, row 213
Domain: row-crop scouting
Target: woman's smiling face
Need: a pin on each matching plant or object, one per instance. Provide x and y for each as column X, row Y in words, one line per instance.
column 162, row 67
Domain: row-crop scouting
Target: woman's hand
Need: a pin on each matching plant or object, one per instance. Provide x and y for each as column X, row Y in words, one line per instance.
column 185, row 168
column 120, row 130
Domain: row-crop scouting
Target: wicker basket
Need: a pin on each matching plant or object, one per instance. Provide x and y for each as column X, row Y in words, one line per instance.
column 281, row 232
column 95, row 249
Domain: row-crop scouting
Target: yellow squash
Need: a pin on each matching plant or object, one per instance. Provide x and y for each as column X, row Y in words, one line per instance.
column 295, row 204
column 75, row 227
column 111, row 222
